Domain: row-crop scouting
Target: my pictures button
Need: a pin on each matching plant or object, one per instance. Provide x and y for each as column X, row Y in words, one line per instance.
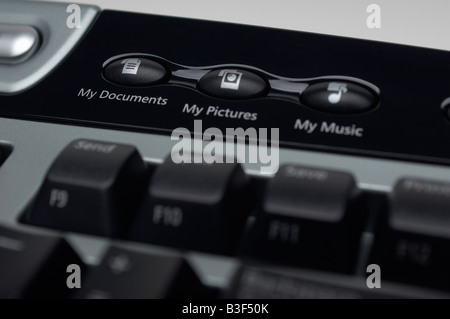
column 235, row 84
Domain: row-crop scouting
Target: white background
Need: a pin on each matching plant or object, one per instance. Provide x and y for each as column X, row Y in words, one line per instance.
column 414, row 22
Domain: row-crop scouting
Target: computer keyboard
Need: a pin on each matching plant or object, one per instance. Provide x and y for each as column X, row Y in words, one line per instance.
column 147, row 156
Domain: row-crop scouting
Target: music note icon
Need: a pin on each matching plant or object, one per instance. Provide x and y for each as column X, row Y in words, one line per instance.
column 338, row 90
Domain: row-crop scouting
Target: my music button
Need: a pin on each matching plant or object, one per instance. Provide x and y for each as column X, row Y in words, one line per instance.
column 339, row 97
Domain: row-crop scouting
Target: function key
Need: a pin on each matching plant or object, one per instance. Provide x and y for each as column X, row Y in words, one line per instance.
column 413, row 239
column 135, row 71
column 308, row 217
column 195, row 206
column 128, row 274
column 258, row 282
column 339, row 97
column 5, row 151
column 35, row 266
column 92, row 187
column 236, row 84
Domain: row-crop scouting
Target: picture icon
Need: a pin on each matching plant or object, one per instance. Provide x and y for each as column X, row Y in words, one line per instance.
column 231, row 79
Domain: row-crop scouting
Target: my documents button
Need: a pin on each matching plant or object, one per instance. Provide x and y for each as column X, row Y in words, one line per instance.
column 135, row 71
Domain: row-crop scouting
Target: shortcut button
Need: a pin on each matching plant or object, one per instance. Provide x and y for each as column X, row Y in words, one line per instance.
column 235, row 84
column 135, row 71
column 339, row 97
column 17, row 43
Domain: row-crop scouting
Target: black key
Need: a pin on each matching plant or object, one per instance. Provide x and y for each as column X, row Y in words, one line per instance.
column 259, row 282
column 127, row 274
column 309, row 218
column 194, row 206
column 35, row 266
column 92, row 187
column 233, row 84
column 135, row 71
column 337, row 96
column 5, row 151
column 412, row 242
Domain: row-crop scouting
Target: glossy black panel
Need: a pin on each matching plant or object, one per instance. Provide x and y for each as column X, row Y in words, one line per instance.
column 413, row 83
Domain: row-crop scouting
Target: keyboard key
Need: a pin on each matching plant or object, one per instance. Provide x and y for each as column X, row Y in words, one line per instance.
column 194, row 206
column 308, row 217
column 35, row 266
column 339, row 97
column 92, row 187
column 260, row 282
column 413, row 238
column 17, row 43
column 5, row 151
column 135, row 71
column 234, row 84
column 127, row 274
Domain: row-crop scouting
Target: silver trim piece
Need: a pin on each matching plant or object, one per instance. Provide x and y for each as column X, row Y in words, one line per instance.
column 57, row 39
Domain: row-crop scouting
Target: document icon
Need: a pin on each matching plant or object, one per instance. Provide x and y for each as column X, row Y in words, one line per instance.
column 131, row 66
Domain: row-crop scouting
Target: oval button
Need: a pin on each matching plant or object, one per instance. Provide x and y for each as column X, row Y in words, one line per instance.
column 234, row 84
column 135, row 71
column 338, row 97
column 17, row 42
